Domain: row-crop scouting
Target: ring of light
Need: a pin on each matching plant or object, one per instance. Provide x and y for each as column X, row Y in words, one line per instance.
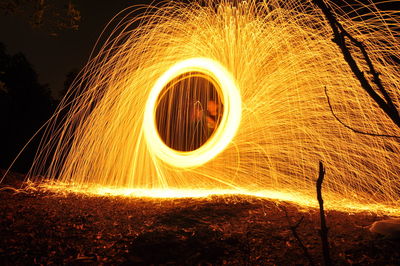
column 224, row 133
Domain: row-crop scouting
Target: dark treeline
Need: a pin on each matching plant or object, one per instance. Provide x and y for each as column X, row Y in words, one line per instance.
column 25, row 105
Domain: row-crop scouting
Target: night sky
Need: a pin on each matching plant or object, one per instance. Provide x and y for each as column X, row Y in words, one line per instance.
column 53, row 57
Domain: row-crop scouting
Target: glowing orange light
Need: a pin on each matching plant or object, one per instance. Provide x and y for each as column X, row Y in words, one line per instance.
column 270, row 62
column 286, row 196
column 226, row 129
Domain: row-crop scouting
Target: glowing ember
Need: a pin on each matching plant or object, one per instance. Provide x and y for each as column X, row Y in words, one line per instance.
column 269, row 62
column 226, row 129
column 170, row 193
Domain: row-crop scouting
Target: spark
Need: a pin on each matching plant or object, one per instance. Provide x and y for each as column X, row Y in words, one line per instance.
column 269, row 63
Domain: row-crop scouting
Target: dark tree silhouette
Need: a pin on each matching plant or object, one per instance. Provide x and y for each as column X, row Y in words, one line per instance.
column 69, row 79
column 25, row 105
column 54, row 16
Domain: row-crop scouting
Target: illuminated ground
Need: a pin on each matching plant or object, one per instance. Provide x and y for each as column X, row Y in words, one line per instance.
column 44, row 228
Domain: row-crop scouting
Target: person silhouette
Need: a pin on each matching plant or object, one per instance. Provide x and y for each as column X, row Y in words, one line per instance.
column 197, row 131
column 213, row 116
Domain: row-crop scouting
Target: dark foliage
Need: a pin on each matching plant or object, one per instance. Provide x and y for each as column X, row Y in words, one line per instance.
column 69, row 80
column 53, row 16
column 25, row 105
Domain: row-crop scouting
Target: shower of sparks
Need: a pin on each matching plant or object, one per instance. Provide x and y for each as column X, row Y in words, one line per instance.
column 270, row 62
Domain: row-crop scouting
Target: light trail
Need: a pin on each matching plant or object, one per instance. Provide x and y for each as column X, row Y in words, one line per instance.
column 226, row 129
column 270, row 62
column 305, row 202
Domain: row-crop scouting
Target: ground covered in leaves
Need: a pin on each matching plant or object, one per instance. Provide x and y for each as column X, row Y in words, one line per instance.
column 73, row 229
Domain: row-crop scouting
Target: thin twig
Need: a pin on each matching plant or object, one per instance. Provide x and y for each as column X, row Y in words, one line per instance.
column 351, row 128
column 293, row 228
column 324, row 229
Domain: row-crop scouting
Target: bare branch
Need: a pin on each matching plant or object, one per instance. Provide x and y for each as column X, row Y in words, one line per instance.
column 324, row 229
column 340, row 34
column 293, row 228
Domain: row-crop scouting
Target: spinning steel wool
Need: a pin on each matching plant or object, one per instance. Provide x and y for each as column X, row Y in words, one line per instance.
column 221, row 97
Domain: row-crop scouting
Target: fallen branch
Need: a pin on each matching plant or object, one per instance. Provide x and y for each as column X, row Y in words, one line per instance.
column 324, row 229
column 293, row 228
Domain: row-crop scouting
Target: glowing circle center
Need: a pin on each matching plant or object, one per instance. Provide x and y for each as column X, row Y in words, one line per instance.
column 230, row 95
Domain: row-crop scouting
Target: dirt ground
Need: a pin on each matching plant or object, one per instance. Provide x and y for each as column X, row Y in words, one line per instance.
column 73, row 229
